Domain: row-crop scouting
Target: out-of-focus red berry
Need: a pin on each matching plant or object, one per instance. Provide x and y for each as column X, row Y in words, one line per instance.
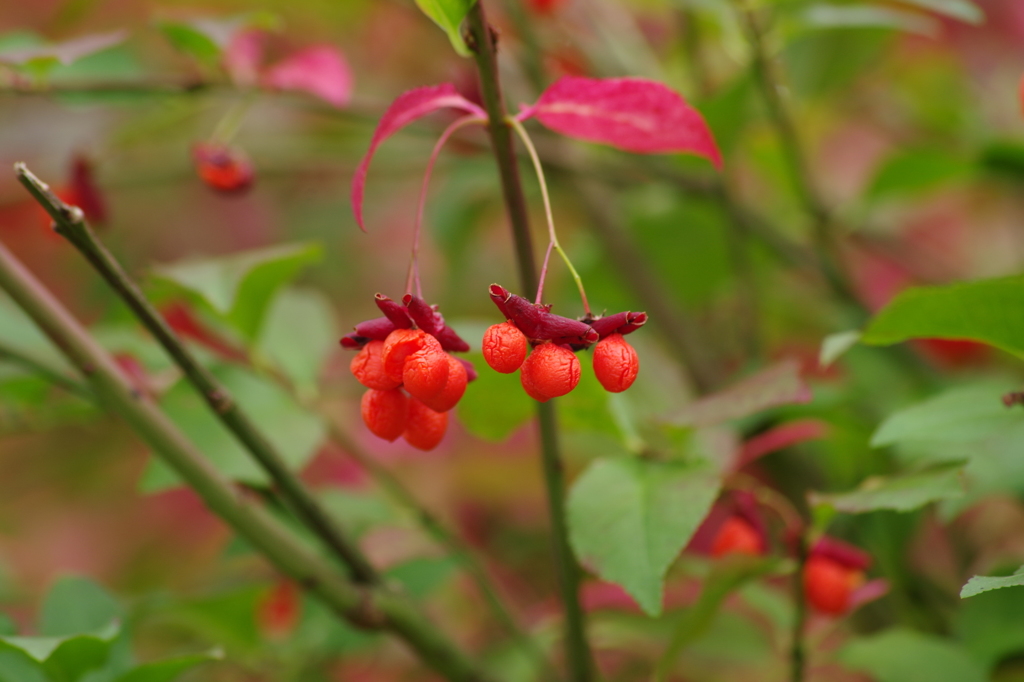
column 386, row 413
column 550, row 371
column 454, row 388
column 504, row 347
column 368, row 368
column 277, row 613
column 223, row 168
column 737, row 536
column 828, row 584
column 425, row 427
column 615, row 363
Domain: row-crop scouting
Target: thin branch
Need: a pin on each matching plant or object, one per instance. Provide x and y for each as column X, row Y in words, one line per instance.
column 70, row 223
column 44, row 370
column 366, row 607
column 482, row 41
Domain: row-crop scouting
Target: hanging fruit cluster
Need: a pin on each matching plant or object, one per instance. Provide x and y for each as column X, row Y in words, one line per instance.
column 552, row 369
column 404, row 363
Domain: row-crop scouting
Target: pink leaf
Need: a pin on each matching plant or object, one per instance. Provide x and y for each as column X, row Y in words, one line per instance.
column 408, row 107
column 242, row 57
column 320, row 70
column 782, row 436
column 634, row 114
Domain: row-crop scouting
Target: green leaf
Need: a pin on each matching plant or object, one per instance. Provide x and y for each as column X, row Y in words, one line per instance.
column 630, row 518
column 899, row 655
column 295, row 432
column 777, row 385
column 39, row 59
column 423, row 575
column 963, row 415
column 899, row 493
column 356, row 512
column 985, row 583
column 76, row 605
column 66, row 658
column 834, row 345
column 448, row 14
column 914, row 171
column 240, row 287
column 169, row 669
column 869, row 16
column 964, row 10
column 299, row 333
column 990, row 626
column 18, row 331
column 494, row 405
column 191, row 41
column 978, row 311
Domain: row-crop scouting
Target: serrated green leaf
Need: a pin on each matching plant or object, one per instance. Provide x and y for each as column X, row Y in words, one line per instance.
column 964, row 10
column 985, row 583
column 240, row 287
column 630, row 518
column 169, row 669
column 76, row 605
column 905, row 656
column 448, row 14
column 294, row 431
column 299, row 334
column 494, row 405
column 899, row 493
column 977, row 311
column 869, row 16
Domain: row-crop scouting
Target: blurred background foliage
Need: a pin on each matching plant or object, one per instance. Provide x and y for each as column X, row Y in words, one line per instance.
column 910, row 118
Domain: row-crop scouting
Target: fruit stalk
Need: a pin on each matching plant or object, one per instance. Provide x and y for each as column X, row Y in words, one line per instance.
column 482, row 41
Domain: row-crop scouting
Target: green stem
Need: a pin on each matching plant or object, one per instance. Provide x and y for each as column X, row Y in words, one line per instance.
column 482, row 41
column 71, row 224
column 364, row 606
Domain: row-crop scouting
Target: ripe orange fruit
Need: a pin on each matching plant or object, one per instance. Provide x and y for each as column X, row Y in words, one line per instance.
column 615, row 363
column 504, row 347
column 222, row 168
column 737, row 536
column 399, row 345
column 454, row 388
column 368, row 368
column 550, row 371
column 425, row 427
column 828, row 584
column 385, row 413
column 426, row 372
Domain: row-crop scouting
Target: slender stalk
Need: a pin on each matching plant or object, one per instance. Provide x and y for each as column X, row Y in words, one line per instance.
column 413, row 278
column 482, row 41
column 42, row 369
column 71, row 224
column 368, row 607
column 552, row 235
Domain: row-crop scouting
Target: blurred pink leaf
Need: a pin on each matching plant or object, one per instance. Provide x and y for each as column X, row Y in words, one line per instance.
column 408, row 107
column 780, row 384
column 633, row 114
column 242, row 57
column 320, row 70
column 780, row 437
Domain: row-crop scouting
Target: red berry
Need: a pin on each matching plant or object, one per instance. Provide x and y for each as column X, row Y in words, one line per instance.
column 453, row 389
column 368, row 368
column 828, row 584
column 549, row 372
column 426, row 427
column 615, row 363
column 504, row 347
column 426, row 372
column 399, row 345
column 222, row 168
column 278, row 611
column 737, row 536
column 386, row 413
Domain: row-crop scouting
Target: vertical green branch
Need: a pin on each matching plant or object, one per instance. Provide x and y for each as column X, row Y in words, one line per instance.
column 70, row 223
column 483, row 42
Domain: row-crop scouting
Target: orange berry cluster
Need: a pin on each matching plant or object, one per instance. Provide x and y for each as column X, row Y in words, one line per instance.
column 552, row 369
column 404, row 363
